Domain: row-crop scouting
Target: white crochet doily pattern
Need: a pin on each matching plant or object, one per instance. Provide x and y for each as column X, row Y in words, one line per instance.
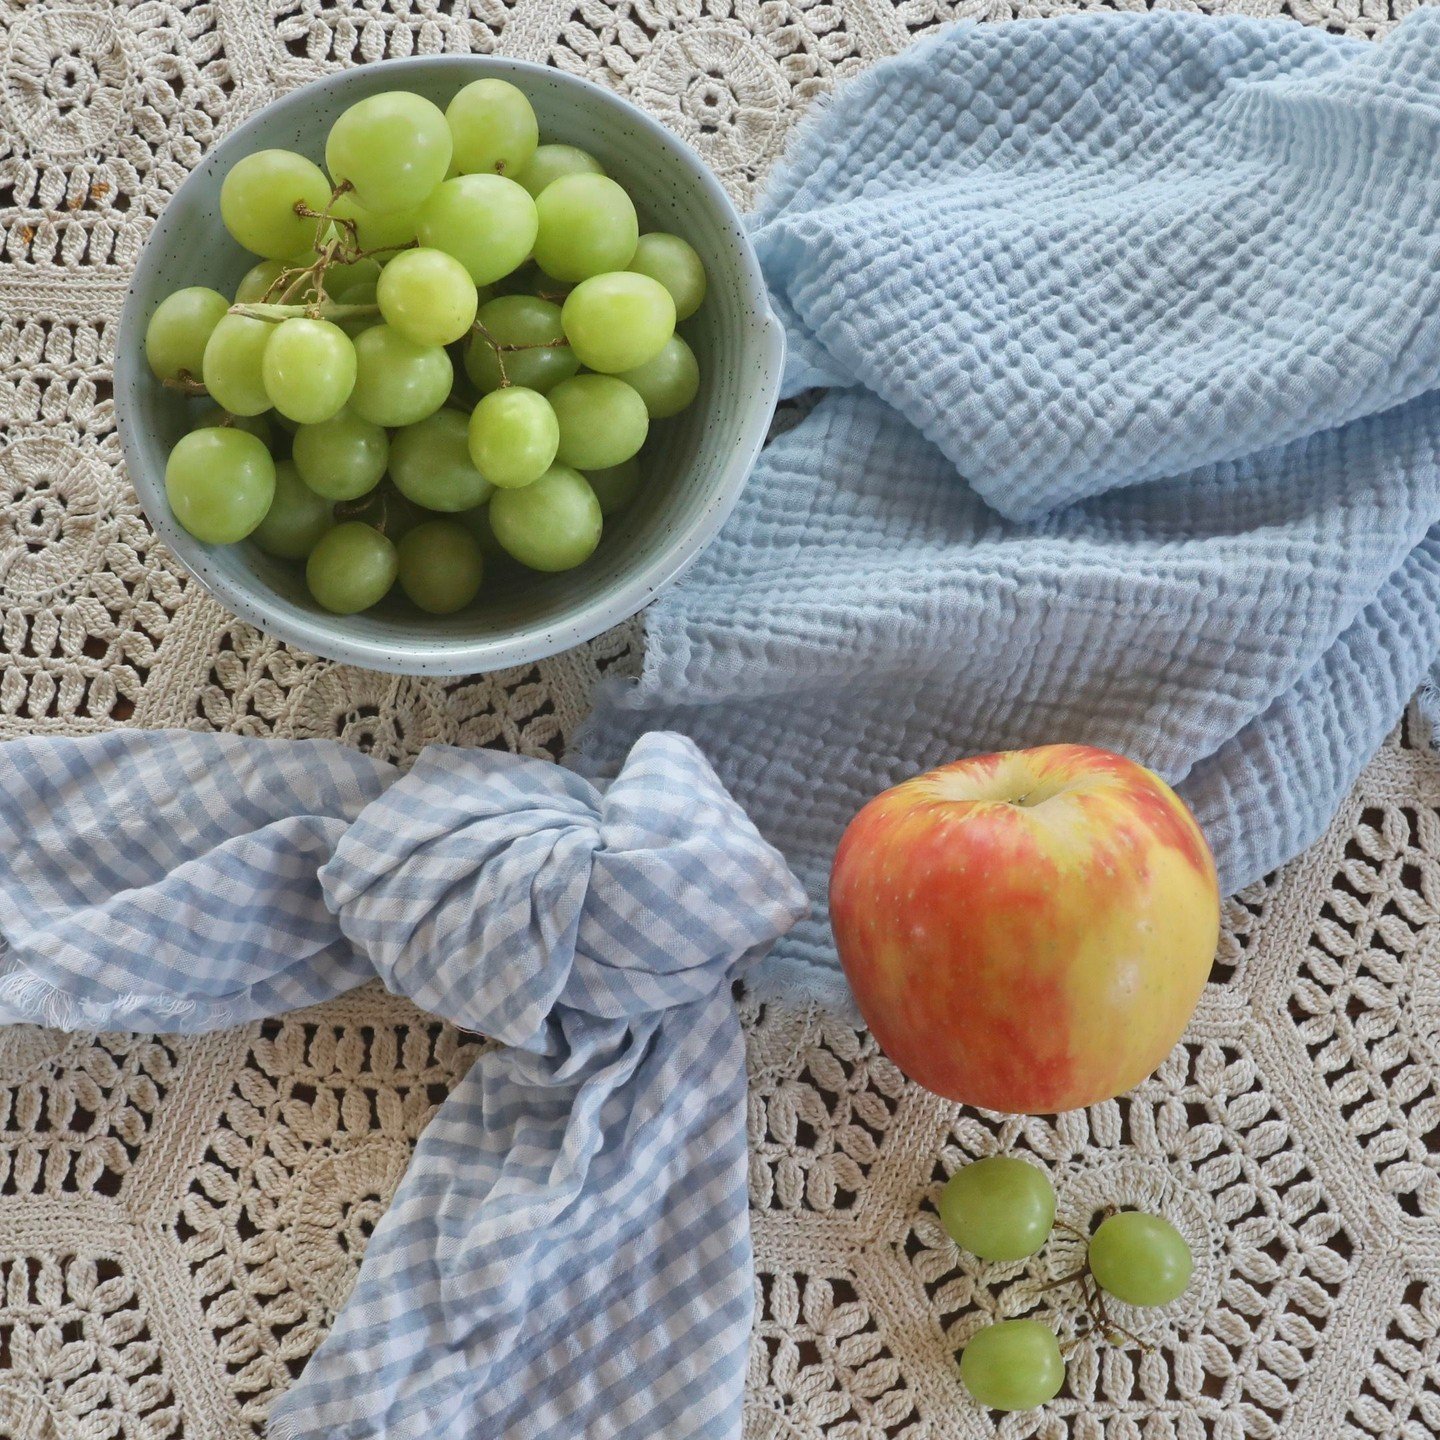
column 180, row 1219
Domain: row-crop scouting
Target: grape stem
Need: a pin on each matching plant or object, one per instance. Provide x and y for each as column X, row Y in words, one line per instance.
column 326, row 310
column 186, row 383
column 382, row 250
column 1069, row 1279
column 1100, row 1315
column 341, row 249
column 324, row 216
column 502, row 350
column 1098, row 1312
column 377, row 509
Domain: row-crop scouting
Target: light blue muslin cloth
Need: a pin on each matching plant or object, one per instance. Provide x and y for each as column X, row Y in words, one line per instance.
column 1130, row 328
column 569, row 1252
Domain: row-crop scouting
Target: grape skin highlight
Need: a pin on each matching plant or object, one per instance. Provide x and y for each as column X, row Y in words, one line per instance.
column 1000, row 1208
column 1013, row 1365
column 219, row 484
column 179, row 330
column 603, row 422
column 1140, row 1259
column 618, row 321
column 392, row 149
column 586, row 226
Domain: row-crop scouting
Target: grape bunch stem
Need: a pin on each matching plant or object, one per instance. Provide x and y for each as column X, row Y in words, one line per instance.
column 275, row 304
column 186, row 383
column 502, row 350
column 1093, row 1297
column 325, row 310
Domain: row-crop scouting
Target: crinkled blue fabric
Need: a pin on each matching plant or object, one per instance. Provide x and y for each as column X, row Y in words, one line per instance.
column 569, row 1252
column 1128, row 330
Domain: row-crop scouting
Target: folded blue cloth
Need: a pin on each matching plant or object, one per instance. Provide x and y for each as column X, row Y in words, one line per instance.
column 1131, row 334
column 569, row 1252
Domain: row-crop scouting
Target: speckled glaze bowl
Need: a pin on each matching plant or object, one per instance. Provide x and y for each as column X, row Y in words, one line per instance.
column 695, row 464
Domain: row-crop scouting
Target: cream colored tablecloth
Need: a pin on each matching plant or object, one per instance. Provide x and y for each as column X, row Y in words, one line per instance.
column 179, row 1219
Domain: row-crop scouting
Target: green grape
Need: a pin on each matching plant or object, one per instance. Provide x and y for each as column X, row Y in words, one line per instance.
column 615, row 486
column 674, row 263
column 617, row 321
column 493, row 128
column 1140, row 1259
column 296, row 519
column 602, row 421
column 354, row 282
column 463, row 394
column 309, row 369
column 999, row 1208
column 384, row 509
column 393, row 148
column 210, row 416
column 550, row 162
column 257, row 281
column 669, row 382
column 520, row 320
column 362, row 294
column 588, row 226
column 529, row 279
column 1013, row 1365
column 428, row 296
column 343, row 457
column 486, row 222
column 356, row 325
column 374, row 231
column 398, row 382
column 231, row 369
column 219, row 484
column 258, row 200
column 513, row 437
column 179, row 330
column 477, row 522
column 440, row 566
column 351, row 568
column 430, row 464
column 553, row 524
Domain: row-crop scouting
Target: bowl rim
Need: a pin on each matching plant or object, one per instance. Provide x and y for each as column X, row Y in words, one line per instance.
column 454, row 657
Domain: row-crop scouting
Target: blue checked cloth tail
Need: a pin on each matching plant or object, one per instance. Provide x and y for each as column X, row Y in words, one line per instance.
column 569, row 1253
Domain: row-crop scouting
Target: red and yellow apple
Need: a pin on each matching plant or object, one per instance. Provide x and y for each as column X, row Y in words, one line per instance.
column 1029, row 931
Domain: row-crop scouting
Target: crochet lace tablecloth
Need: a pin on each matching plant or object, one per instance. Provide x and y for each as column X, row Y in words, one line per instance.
column 180, row 1219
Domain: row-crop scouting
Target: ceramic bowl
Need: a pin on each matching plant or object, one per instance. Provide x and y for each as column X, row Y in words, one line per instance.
column 695, row 464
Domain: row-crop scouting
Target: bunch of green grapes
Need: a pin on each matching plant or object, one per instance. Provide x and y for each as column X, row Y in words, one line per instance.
column 1002, row 1209
column 452, row 348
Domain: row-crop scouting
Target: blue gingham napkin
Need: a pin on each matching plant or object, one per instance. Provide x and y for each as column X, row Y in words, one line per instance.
column 569, row 1252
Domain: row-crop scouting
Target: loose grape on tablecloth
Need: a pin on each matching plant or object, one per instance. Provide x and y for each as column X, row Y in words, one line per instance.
column 180, row 1219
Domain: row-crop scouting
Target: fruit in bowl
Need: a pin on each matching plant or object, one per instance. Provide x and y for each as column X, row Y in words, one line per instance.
column 560, row 442
column 345, row 339
column 1027, row 932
